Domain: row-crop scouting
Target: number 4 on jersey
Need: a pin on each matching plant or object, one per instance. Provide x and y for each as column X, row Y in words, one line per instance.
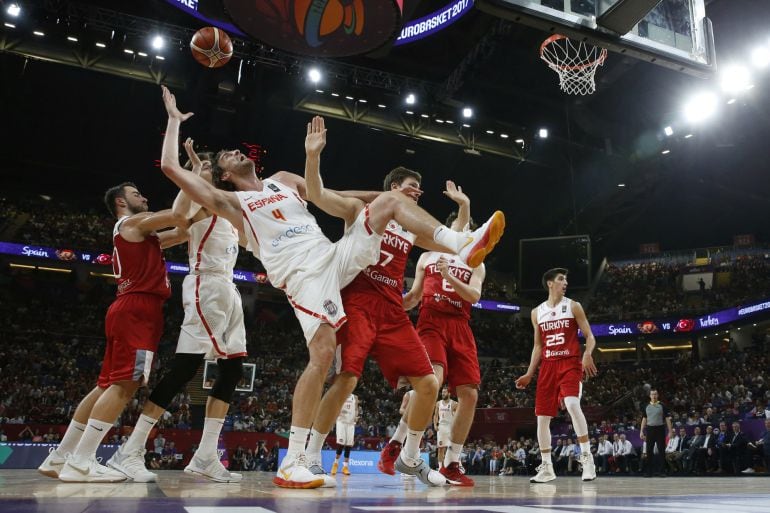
column 278, row 214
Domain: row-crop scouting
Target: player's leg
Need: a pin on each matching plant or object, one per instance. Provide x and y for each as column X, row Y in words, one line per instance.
column 571, row 389
column 292, row 472
column 205, row 462
column 328, row 411
column 467, row 397
column 546, row 407
column 55, row 460
column 471, row 248
column 336, row 463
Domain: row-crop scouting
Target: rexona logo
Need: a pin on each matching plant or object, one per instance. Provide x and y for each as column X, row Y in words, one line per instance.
column 620, row 330
column 361, row 463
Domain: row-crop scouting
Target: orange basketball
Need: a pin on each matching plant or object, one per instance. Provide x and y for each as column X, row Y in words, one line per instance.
column 211, row 47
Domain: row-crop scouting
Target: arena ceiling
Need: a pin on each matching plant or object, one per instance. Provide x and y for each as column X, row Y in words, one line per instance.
column 72, row 131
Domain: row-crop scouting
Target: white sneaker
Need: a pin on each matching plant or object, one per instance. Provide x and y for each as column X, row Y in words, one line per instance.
column 749, row 470
column 88, row 470
column 483, row 240
column 293, row 473
column 211, row 469
column 589, row 469
column 544, row 474
column 423, row 472
column 52, row 464
column 316, row 469
column 132, row 465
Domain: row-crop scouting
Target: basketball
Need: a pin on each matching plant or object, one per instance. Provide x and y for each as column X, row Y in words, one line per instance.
column 211, row 47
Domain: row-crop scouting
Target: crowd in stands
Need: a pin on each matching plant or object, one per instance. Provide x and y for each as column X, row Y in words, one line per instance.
column 638, row 290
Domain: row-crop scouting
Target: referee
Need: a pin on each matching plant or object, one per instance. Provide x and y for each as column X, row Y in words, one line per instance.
column 654, row 416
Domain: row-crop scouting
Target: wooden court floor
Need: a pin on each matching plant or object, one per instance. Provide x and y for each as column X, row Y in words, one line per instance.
column 25, row 491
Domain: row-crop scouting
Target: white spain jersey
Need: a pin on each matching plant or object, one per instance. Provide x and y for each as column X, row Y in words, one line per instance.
column 213, row 246
column 445, row 412
column 280, row 229
column 349, row 410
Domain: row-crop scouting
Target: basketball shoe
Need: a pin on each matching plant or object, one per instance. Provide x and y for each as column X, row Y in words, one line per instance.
column 314, row 466
column 544, row 474
column 132, row 465
column 483, row 240
column 453, row 473
column 293, row 473
column 52, row 464
column 388, row 457
column 589, row 469
column 212, row 469
column 79, row 469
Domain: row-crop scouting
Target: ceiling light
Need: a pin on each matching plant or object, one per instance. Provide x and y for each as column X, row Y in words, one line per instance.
column 160, row 57
column 361, row 100
column 101, row 45
column 38, row 33
column 349, row 98
column 490, row 132
column 621, row 185
column 466, row 125
column 668, row 131
column 450, row 122
column 13, row 10
column 72, row 38
column 700, row 107
column 424, row 116
column 520, row 141
column 731, row 101
column 439, row 120
column 142, row 54
column 665, row 152
column 688, row 136
column 126, row 50
column 381, row 105
column 319, row 91
column 760, row 57
column 504, row 136
column 314, row 75
column 158, row 42
column 335, row 95
column 411, row 99
column 467, row 112
column 409, row 112
column 11, row 25
column 735, row 79
column 543, row 133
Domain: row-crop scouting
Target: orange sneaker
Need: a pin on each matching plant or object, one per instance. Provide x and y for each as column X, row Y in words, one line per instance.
column 483, row 240
column 345, row 470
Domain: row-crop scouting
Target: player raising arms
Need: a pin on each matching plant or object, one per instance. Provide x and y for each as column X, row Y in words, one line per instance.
column 300, row 260
column 556, row 322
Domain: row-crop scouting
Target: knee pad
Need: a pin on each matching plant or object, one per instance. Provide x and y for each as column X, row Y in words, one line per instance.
column 182, row 369
column 230, row 373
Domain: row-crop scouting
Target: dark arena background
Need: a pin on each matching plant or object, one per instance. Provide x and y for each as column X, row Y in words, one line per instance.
column 643, row 171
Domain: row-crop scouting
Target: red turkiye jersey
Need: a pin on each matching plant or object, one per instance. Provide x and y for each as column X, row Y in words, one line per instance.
column 558, row 330
column 437, row 293
column 139, row 266
column 387, row 276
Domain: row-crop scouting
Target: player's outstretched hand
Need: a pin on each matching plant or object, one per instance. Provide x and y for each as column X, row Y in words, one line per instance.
column 189, row 148
column 523, row 381
column 316, row 136
column 456, row 193
column 589, row 367
column 170, row 102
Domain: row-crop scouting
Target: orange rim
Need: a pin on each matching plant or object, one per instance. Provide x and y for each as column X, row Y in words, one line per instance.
column 595, row 62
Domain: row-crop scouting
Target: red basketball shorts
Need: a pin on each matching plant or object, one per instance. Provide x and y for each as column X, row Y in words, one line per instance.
column 133, row 327
column 449, row 342
column 557, row 379
column 382, row 330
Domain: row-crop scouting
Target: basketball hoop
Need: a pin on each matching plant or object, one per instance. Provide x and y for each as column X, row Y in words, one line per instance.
column 575, row 62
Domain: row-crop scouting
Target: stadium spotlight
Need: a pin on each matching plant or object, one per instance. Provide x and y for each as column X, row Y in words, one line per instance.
column 13, row 10
column 668, row 131
column 314, row 74
column 760, row 56
column 700, row 107
column 467, row 112
column 543, row 133
column 411, row 99
column 158, row 42
column 735, row 79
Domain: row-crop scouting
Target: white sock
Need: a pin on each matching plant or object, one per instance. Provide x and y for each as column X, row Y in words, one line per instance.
column 453, row 453
column 345, row 463
column 546, row 457
column 297, row 440
column 212, row 427
column 71, row 437
column 450, row 238
column 138, row 439
column 400, row 434
column 92, row 437
column 585, row 447
column 315, row 444
column 412, row 446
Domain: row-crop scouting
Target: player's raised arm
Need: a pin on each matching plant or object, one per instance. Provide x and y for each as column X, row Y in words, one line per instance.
column 470, row 291
column 328, row 201
column 534, row 361
column 183, row 206
column 198, row 189
column 457, row 195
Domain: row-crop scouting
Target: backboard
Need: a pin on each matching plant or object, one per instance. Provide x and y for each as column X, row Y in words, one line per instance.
column 672, row 33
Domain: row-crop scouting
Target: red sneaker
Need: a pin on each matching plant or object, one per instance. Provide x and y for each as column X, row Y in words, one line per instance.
column 388, row 456
column 452, row 472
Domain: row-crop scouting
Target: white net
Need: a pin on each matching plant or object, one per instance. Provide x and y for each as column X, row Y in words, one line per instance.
column 575, row 62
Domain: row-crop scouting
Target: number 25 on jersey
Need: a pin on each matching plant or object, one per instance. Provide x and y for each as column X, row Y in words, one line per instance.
column 555, row 339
